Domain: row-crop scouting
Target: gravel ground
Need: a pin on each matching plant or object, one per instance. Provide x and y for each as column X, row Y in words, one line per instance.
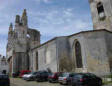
column 108, row 85
column 20, row 82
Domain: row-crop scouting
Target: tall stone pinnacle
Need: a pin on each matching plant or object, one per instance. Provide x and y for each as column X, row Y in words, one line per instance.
column 17, row 20
column 24, row 18
column 11, row 27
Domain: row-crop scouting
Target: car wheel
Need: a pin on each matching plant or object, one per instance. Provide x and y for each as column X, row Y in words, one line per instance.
column 50, row 81
column 28, row 79
column 60, row 83
column 100, row 83
column 71, row 85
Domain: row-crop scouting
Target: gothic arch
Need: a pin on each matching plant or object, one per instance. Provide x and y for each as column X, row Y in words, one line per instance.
column 77, row 54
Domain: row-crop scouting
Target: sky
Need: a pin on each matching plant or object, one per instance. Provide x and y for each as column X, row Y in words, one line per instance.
column 51, row 17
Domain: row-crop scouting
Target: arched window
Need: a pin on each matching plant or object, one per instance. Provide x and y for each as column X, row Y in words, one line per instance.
column 78, row 55
column 100, row 9
column 37, row 60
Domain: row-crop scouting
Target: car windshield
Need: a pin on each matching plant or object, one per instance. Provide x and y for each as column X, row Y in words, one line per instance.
column 50, row 74
column 72, row 74
column 34, row 73
column 78, row 76
column 3, row 76
column 90, row 74
column 26, row 73
column 64, row 74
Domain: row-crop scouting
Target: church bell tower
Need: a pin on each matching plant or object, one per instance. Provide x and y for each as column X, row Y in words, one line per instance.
column 101, row 11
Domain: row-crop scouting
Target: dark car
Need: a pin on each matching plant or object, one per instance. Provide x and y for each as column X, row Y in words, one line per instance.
column 15, row 75
column 69, row 78
column 4, row 80
column 54, row 77
column 42, row 76
column 86, row 79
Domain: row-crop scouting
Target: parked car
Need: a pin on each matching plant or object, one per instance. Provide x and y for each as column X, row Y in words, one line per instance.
column 15, row 74
column 24, row 76
column 4, row 80
column 63, row 78
column 86, row 79
column 42, row 76
column 30, row 76
column 24, row 72
column 69, row 78
column 54, row 77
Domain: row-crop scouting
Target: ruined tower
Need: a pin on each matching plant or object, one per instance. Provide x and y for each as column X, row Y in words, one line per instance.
column 101, row 11
column 20, row 40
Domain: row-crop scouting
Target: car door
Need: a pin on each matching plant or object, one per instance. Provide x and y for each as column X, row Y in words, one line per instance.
column 94, row 80
column 90, row 81
column 70, row 78
column 86, row 80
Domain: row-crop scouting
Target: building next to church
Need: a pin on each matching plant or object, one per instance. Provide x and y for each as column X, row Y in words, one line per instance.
column 21, row 39
column 86, row 51
column 4, row 68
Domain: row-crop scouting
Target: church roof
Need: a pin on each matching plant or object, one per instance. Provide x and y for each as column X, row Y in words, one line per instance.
column 89, row 32
column 99, row 30
column 45, row 43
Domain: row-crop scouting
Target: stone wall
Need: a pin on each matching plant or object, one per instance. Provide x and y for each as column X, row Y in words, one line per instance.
column 20, row 62
column 94, row 51
column 63, row 54
column 48, row 56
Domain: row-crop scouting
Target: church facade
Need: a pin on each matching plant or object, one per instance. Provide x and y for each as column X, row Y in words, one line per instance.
column 86, row 51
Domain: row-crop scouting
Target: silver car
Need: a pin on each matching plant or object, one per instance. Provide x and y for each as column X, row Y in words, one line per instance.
column 30, row 76
column 24, row 76
column 63, row 78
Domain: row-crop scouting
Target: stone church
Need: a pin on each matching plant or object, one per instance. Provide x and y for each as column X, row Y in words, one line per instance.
column 86, row 51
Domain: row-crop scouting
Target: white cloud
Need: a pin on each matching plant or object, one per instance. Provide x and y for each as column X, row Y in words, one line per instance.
column 61, row 22
column 68, row 12
column 5, row 3
column 3, row 46
column 3, row 31
column 45, row 1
